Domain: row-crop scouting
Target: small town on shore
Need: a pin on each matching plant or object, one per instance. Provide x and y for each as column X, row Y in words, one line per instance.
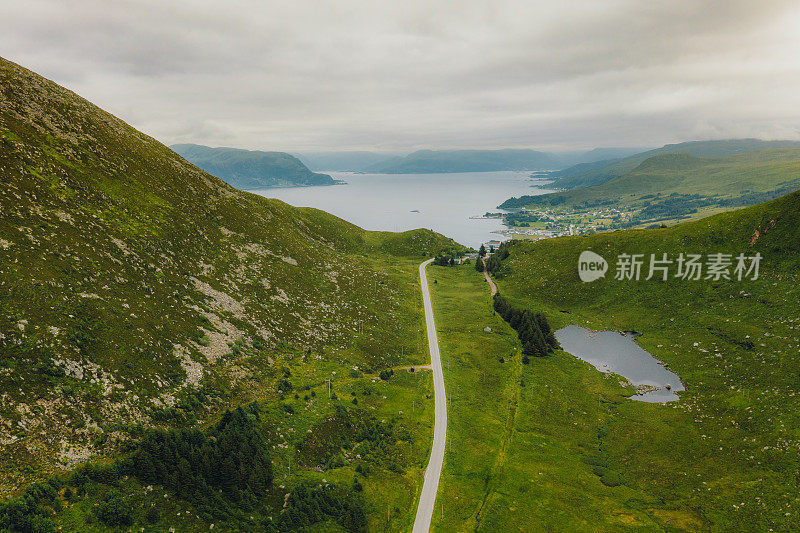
column 543, row 223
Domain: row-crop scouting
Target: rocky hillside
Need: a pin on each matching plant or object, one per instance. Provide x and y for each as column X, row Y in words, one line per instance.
column 134, row 283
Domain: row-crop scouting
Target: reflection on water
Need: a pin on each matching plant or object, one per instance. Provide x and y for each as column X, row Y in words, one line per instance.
column 610, row 351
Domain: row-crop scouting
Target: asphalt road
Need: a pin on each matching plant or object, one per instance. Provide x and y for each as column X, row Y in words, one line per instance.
column 430, row 487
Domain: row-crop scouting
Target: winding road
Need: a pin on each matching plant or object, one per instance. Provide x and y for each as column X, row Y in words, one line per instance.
column 427, row 500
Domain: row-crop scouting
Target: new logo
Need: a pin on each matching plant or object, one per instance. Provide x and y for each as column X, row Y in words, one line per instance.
column 591, row 266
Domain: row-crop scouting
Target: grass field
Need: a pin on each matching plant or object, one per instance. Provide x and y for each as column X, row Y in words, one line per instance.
column 568, row 451
column 534, row 447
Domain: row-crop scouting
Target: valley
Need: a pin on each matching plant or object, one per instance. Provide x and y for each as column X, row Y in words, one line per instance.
column 178, row 354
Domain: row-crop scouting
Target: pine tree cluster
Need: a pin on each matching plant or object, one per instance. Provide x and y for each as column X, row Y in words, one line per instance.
column 532, row 328
column 307, row 506
column 494, row 261
column 224, row 468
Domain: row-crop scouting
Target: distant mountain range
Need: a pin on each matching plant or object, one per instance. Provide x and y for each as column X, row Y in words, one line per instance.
column 353, row 161
column 251, row 169
column 443, row 161
column 435, row 161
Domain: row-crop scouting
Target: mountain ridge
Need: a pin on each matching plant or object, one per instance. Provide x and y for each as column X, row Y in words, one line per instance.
column 743, row 175
column 579, row 176
column 252, row 169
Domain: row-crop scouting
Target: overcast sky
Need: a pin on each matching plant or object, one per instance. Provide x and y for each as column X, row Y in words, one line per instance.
column 297, row 75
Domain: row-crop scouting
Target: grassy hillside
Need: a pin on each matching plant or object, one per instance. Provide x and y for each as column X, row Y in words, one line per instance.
column 582, row 176
column 723, row 458
column 251, row 169
column 139, row 291
column 667, row 188
column 579, row 168
column 729, row 177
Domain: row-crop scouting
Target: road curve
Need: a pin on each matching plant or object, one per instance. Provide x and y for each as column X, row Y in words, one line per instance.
column 427, row 500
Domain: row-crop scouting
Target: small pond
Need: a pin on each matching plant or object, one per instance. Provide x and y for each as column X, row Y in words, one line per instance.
column 611, row 351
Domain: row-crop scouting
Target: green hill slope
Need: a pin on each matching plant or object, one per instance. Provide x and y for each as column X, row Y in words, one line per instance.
column 668, row 186
column 726, row 454
column 138, row 291
column 251, row 169
column 583, row 176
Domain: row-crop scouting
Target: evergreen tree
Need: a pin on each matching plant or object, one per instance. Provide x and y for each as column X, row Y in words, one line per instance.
column 229, row 464
column 482, row 251
column 479, row 264
column 534, row 332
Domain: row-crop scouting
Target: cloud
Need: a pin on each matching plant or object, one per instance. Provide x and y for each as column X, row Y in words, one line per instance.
column 402, row 75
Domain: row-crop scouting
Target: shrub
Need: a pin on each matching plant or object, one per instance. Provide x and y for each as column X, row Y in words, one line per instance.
column 153, row 515
column 115, row 510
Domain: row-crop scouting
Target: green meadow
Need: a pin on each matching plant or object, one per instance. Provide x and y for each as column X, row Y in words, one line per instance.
column 534, row 447
column 724, row 457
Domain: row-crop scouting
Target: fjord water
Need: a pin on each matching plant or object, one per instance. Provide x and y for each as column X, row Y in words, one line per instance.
column 399, row 202
column 610, row 351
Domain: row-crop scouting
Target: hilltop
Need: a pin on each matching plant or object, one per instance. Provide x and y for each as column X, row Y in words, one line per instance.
column 251, row 169
column 139, row 291
column 733, row 176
